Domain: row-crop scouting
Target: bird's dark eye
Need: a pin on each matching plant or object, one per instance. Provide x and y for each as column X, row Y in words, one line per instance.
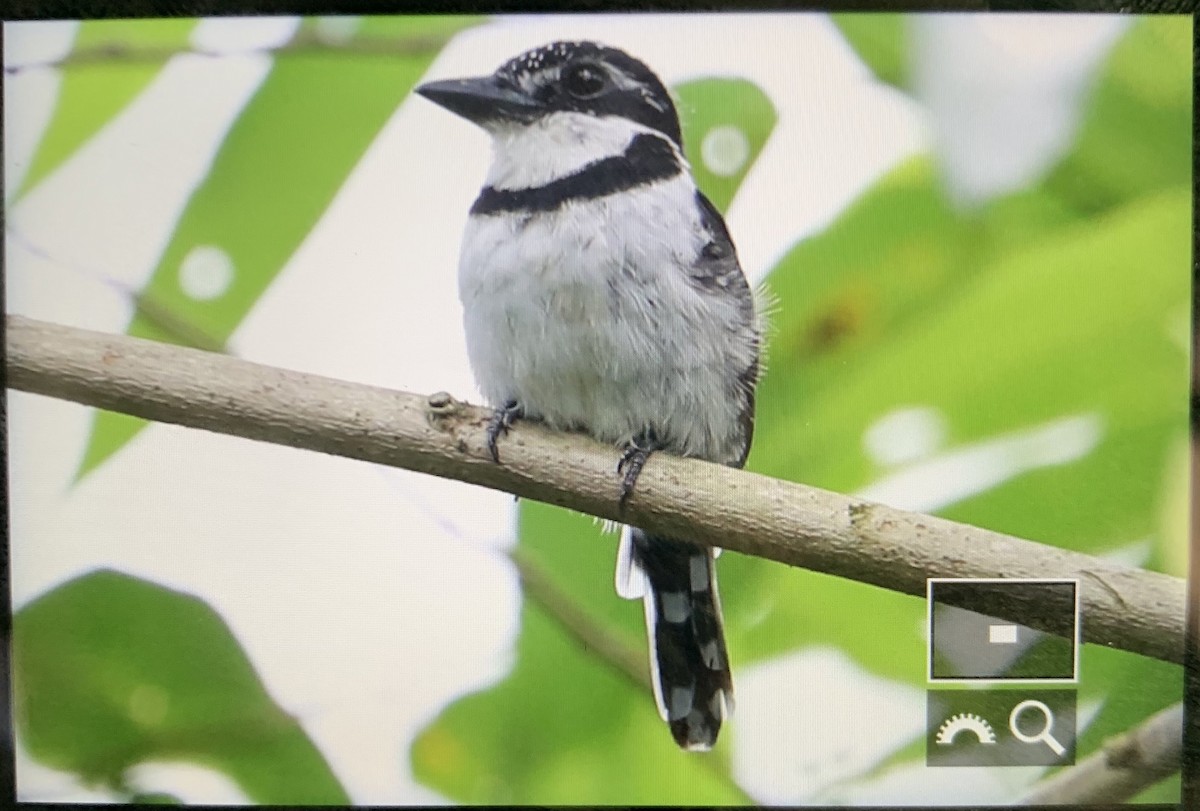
column 584, row 81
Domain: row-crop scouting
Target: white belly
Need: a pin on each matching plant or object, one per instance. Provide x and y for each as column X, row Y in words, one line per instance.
column 590, row 329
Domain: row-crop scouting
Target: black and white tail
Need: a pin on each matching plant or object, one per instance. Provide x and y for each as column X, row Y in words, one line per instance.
column 690, row 667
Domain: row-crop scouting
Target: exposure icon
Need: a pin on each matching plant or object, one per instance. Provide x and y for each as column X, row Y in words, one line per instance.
column 1000, row 727
column 965, row 722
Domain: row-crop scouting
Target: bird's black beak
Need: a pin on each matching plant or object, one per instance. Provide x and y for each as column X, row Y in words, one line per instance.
column 482, row 100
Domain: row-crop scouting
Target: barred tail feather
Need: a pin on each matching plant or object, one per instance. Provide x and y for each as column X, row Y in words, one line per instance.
column 692, row 683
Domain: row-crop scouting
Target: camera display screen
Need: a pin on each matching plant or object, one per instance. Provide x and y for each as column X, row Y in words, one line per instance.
column 913, row 291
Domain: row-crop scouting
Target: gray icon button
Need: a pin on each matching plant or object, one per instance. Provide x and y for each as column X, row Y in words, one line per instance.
column 969, row 645
column 1001, row 727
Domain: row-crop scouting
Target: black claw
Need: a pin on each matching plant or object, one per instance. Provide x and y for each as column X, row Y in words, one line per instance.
column 633, row 460
column 502, row 419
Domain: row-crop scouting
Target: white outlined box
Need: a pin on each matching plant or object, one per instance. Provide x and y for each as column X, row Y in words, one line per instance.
column 967, row 647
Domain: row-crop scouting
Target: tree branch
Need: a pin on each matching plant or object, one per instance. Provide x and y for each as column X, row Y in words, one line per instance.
column 1126, row 765
column 1122, row 607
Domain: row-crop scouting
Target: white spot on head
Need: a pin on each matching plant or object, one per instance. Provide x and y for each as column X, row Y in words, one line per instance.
column 725, row 150
column 205, row 273
column 904, row 435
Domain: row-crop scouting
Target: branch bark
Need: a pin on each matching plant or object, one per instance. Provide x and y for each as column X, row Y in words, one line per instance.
column 1126, row 765
column 1122, row 607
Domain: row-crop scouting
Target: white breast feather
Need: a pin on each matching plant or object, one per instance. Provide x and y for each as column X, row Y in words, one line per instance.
column 585, row 315
column 560, row 144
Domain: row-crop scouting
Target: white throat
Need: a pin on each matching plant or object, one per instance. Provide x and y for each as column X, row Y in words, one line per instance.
column 526, row 157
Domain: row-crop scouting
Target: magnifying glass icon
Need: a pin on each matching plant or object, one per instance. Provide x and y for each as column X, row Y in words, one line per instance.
column 1042, row 736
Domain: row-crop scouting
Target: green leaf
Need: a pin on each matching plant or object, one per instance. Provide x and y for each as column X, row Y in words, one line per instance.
column 881, row 41
column 562, row 728
column 991, row 348
column 1135, row 687
column 967, row 357
column 1136, row 135
column 154, row 798
column 882, row 263
column 726, row 123
column 1168, row 791
column 283, row 161
column 1171, row 553
column 565, row 726
column 94, row 91
column 111, row 671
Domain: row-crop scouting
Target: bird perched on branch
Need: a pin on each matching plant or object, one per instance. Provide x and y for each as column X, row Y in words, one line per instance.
column 602, row 293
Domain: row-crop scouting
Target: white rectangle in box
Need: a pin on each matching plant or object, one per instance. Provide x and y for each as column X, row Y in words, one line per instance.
column 1002, row 634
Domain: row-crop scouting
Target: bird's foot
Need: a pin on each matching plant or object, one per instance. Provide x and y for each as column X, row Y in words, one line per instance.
column 634, row 459
column 502, row 419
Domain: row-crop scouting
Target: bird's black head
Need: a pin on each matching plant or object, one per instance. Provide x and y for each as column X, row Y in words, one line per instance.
column 579, row 77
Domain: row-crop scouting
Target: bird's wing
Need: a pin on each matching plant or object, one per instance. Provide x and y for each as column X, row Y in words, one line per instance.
column 717, row 268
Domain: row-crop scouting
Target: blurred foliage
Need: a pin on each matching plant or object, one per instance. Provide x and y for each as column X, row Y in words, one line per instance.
column 1167, row 792
column 110, row 671
column 95, row 92
column 284, row 159
column 1010, row 345
column 881, row 41
column 725, row 126
column 1045, row 320
column 1130, row 142
column 562, row 728
column 1043, row 337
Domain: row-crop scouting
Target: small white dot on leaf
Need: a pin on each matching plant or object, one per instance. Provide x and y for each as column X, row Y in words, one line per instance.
column 725, row 150
column 206, row 273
